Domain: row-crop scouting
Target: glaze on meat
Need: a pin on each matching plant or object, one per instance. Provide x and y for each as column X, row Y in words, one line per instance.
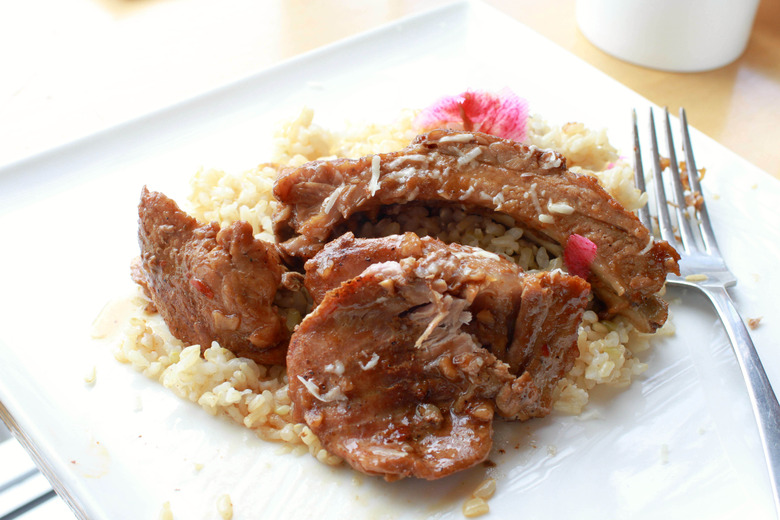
column 393, row 370
column 383, row 374
column 544, row 343
column 528, row 320
column 210, row 284
column 485, row 174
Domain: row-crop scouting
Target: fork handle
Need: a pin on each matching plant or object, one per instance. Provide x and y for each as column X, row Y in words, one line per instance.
column 762, row 397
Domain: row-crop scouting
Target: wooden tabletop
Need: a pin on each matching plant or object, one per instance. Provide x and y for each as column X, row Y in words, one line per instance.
column 70, row 67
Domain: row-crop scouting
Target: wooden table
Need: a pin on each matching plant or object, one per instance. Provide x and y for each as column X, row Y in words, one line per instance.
column 71, row 67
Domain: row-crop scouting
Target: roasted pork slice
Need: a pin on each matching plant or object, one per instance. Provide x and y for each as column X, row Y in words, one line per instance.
column 210, row 284
column 347, row 257
column 493, row 285
column 544, row 342
column 384, row 375
column 485, row 174
column 528, row 320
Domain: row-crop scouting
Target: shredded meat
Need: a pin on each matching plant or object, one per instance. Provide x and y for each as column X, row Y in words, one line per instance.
column 393, row 369
column 346, row 257
column 210, row 284
column 385, row 377
column 544, row 343
column 485, row 174
column 528, row 320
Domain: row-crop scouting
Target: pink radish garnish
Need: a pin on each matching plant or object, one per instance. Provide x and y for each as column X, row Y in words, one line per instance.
column 503, row 114
column 578, row 255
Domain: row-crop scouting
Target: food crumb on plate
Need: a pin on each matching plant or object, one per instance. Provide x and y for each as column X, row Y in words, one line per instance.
column 486, row 489
column 225, row 507
column 165, row 512
column 91, row 375
column 474, row 507
column 476, row 504
column 664, row 452
column 753, row 323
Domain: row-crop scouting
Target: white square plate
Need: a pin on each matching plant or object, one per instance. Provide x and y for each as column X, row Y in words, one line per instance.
column 680, row 443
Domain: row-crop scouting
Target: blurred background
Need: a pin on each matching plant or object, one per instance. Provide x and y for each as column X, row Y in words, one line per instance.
column 73, row 67
column 70, row 67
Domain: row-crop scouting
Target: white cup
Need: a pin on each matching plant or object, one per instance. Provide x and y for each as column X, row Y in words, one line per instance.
column 674, row 35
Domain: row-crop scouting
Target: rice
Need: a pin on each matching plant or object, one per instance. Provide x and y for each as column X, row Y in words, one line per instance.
column 224, row 198
column 255, row 396
column 475, row 507
column 588, row 151
column 252, row 395
column 225, row 507
column 165, row 512
column 477, row 504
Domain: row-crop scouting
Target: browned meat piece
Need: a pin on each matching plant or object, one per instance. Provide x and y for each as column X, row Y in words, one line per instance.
column 385, row 377
column 210, row 284
column 528, row 320
column 389, row 370
column 138, row 275
column 543, row 347
column 494, row 306
column 485, row 174
column 346, row 257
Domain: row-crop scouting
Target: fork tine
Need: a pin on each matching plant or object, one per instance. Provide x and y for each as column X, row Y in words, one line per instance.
column 664, row 222
column 683, row 218
column 642, row 213
column 708, row 236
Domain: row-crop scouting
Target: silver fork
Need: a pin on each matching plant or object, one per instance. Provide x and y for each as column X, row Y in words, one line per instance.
column 702, row 267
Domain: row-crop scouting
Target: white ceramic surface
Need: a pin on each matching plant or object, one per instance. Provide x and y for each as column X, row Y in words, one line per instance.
column 680, row 443
column 673, row 35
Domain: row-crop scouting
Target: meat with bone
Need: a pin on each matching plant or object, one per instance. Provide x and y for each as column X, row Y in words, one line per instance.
column 210, row 284
column 528, row 320
column 485, row 174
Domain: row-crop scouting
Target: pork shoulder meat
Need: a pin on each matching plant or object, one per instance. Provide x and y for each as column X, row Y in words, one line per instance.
column 485, row 174
column 388, row 370
column 528, row 320
column 367, row 374
column 496, row 284
column 210, row 284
